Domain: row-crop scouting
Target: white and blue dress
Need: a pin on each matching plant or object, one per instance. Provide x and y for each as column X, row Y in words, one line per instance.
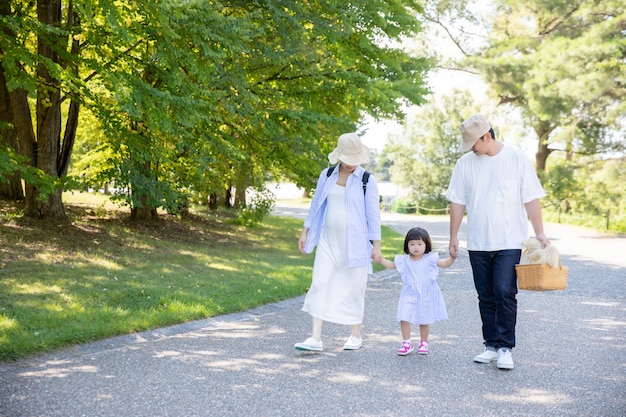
column 421, row 300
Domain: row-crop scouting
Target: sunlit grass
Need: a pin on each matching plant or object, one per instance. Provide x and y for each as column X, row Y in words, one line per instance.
column 99, row 277
column 613, row 223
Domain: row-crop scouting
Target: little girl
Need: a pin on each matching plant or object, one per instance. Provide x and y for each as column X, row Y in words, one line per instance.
column 421, row 301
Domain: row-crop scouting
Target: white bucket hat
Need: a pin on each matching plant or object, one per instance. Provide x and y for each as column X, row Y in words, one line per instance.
column 471, row 130
column 350, row 150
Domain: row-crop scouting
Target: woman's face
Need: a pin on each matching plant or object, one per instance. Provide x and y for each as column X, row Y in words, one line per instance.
column 416, row 247
column 347, row 167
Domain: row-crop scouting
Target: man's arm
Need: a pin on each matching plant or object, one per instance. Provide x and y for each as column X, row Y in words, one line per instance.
column 456, row 217
column 533, row 209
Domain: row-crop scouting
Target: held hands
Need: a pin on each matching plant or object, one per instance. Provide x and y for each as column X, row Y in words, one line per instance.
column 453, row 247
column 377, row 255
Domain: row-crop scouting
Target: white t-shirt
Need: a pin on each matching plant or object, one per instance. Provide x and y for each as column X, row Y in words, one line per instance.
column 494, row 190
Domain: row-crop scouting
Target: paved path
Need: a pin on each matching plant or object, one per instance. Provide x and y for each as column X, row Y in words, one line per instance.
column 570, row 359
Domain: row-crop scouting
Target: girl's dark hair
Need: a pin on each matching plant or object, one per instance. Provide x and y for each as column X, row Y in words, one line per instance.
column 417, row 233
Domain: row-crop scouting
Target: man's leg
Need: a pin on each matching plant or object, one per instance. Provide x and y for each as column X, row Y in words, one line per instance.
column 482, row 269
column 506, row 295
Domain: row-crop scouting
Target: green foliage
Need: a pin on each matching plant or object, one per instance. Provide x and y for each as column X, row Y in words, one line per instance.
column 260, row 205
column 186, row 99
column 587, row 192
column 11, row 162
column 404, row 206
column 561, row 64
column 560, row 184
column 424, row 155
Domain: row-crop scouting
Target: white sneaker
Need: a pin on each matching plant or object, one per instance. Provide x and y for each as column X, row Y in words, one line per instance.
column 310, row 344
column 488, row 356
column 505, row 358
column 353, row 343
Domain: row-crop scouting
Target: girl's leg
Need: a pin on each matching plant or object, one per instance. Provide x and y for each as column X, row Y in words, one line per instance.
column 317, row 328
column 405, row 328
column 356, row 330
column 424, row 328
column 423, row 347
column 407, row 345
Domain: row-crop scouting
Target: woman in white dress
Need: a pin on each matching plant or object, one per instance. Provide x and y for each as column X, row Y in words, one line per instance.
column 344, row 223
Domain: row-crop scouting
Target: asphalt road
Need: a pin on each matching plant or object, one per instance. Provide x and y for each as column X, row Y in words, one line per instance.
column 570, row 359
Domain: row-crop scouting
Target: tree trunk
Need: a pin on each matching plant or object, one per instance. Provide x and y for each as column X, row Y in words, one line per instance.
column 226, row 200
column 543, row 130
column 212, row 201
column 50, row 208
column 43, row 147
column 144, row 212
column 240, row 187
column 12, row 187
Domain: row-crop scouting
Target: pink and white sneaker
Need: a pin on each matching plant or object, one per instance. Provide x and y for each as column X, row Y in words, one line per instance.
column 406, row 348
column 423, row 348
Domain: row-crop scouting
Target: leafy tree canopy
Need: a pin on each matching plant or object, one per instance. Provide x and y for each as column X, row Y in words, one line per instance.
column 562, row 63
column 184, row 99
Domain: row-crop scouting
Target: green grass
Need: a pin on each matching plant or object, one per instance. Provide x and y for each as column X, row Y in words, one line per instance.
column 102, row 275
column 616, row 222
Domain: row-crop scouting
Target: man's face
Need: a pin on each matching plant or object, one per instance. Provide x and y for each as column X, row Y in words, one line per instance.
column 480, row 147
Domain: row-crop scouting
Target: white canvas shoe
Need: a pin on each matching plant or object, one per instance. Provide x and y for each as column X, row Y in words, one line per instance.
column 488, row 356
column 505, row 359
column 311, row 345
column 353, row 343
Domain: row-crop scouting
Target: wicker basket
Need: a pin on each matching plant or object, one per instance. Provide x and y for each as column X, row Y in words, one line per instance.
column 540, row 277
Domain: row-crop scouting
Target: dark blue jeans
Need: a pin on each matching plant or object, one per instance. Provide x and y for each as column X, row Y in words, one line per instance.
column 496, row 285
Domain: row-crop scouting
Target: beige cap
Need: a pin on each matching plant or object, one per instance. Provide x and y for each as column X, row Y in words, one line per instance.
column 471, row 130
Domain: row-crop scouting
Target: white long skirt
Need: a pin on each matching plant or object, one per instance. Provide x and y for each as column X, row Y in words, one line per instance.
column 337, row 293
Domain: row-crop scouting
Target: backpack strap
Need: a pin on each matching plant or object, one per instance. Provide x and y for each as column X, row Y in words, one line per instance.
column 365, row 178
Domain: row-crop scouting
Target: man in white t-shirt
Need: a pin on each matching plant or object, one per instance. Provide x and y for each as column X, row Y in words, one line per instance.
column 500, row 190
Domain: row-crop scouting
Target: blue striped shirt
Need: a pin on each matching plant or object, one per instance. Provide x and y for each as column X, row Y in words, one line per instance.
column 363, row 215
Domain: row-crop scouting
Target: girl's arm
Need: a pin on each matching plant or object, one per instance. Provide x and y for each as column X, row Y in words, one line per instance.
column 444, row 263
column 387, row 263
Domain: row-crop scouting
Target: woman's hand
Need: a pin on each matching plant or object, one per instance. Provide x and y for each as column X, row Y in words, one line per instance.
column 377, row 255
column 302, row 239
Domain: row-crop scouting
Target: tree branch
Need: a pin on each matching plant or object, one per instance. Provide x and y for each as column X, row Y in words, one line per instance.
column 445, row 28
column 557, row 21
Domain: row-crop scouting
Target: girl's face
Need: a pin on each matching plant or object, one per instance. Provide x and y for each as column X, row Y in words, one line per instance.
column 416, row 247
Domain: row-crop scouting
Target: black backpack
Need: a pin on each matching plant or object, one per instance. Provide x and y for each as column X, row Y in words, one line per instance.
column 365, row 178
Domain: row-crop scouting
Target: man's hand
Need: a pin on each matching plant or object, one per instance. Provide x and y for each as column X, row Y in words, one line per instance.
column 453, row 247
